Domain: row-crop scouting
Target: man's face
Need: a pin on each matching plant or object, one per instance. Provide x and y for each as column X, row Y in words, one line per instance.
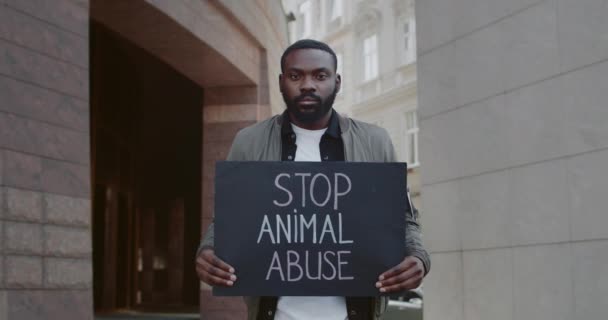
column 309, row 86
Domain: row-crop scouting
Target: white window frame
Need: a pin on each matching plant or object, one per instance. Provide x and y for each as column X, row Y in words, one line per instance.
column 408, row 39
column 410, row 129
column 336, row 9
column 293, row 31
column 305, row 11
column 370, row 57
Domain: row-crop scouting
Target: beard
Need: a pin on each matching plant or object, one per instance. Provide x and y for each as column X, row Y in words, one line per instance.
column 321, row 108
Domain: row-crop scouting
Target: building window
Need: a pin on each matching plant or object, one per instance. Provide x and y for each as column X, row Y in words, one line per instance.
column 407, row 41
column 306, row 16
column 370, row 57
column 336, row 9
column 411, row 138
column 406, row 36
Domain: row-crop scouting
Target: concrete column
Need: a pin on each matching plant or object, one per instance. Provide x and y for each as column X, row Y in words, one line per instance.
column 512, row 101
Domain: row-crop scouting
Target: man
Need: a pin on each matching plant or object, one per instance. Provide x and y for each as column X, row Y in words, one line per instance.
column 310, row 130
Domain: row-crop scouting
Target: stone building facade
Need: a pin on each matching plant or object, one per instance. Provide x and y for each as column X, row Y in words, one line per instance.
column 512, row 101
column 105, row 106
column 375, row 43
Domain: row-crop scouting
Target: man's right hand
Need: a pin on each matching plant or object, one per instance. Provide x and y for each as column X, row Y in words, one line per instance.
column 213, row 271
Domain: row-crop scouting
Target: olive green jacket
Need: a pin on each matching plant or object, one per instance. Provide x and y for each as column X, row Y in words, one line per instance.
column 363, row 142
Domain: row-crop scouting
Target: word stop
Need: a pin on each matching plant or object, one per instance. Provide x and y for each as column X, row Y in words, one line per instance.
column 337, row 187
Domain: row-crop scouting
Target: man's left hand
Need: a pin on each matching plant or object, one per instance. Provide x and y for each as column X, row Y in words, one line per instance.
column 405, row 276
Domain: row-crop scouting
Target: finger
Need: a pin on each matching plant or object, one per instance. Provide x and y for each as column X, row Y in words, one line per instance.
column 200, row 269
column 223, row 265
column 212, row 259
column 207, row 277
column 200, row 260
column 393, row 271
column 403, row 266
column 213, row 270
column 398, row 278
column 217, row 281
column 204, row 272
column 411, row 283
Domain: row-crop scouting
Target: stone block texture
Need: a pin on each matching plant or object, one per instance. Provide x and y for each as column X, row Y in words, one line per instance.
column 586, row 197
column 23, row 238
column 23, row 204
column 590, row 263
column 67, row 241
column 3, row 305
column 488, row 284
column 21, row 170
column 444, row 287
column 45, row 237
column 67, row 210
column 512, row 99
column 443, row 203
column 48, row 304
column 23, row 271
column 539, row 281
column 1, row 274
column 68, row 273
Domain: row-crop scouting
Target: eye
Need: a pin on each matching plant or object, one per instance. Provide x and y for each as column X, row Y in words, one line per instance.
column 293, row 76
column 322, row 76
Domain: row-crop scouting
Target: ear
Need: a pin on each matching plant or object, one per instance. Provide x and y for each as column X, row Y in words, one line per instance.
column 338, row 82
column 281, row 82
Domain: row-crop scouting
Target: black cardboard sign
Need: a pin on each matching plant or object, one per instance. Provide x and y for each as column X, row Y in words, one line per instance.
column 309, row 228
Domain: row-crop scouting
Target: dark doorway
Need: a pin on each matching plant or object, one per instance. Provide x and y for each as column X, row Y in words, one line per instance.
column 146, row 128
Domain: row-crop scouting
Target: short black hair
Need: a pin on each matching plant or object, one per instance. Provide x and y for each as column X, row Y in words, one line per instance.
column 309, row 44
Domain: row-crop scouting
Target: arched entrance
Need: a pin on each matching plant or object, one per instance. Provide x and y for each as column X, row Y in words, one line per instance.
column 172, row 82
column 146, row 141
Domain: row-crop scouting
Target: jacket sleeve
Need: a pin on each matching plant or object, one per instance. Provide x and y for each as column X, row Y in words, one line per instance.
column 207, row 241
column 413, row 234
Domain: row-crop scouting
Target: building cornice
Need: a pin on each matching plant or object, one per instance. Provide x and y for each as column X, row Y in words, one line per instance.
column 340, row 32
column 400, row 93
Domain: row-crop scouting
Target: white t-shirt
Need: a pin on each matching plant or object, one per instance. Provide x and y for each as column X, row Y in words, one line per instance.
column 305, row 308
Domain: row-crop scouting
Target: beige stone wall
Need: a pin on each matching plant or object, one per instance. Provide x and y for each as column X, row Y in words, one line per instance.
column 514, row 144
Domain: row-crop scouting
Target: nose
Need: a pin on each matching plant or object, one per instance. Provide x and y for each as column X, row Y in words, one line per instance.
column 307, row 85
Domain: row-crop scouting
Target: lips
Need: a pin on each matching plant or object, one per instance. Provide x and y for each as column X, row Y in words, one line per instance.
column 308, row 101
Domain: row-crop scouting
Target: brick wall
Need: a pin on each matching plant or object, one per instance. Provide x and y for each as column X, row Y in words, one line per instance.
column 45, row 231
